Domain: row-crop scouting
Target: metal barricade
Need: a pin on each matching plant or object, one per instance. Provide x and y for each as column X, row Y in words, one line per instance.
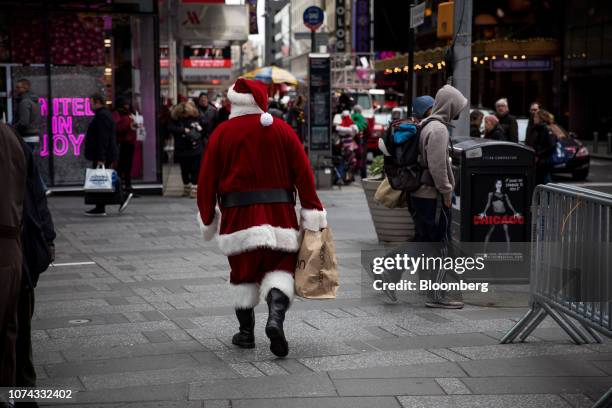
column 571, row 266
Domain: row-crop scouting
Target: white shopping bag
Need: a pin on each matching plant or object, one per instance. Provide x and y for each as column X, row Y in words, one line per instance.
column 99, row 180
column 138, row 121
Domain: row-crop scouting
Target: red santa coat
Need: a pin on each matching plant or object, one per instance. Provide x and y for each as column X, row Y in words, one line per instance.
column 246, row 153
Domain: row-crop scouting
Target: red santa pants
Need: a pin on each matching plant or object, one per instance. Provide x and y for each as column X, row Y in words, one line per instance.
column 250, row 267
column 254, row 273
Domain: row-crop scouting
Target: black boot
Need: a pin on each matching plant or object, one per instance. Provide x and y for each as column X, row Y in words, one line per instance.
column 278, row 303
column 245, row 338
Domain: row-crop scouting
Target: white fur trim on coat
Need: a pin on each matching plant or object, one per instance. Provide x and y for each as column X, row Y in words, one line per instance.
column 347, row 130
column 260, row 236
column 241, row 110
column 244, row 295
column 313, row 220
column 280, row 280
column 209, row 231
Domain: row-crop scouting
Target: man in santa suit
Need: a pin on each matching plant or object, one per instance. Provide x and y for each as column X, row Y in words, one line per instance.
column 252, row 167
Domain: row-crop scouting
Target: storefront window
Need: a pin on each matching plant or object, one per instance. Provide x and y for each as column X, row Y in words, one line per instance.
column 68, row 56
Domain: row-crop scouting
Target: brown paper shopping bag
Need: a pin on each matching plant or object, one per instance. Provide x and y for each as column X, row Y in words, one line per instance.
column 316, row 273
column 388, row 197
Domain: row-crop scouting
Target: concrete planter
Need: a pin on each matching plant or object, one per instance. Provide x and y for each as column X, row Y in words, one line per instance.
column 391, row 224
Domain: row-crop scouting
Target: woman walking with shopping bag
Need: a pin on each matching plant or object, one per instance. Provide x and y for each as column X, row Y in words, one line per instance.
column 246, row 196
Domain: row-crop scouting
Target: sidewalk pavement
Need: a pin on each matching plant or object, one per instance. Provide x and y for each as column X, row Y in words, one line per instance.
column 148, row 324
column 602, row 149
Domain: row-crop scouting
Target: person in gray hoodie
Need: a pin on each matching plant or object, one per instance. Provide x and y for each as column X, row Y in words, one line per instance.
column 27, row 114
column 431, row 203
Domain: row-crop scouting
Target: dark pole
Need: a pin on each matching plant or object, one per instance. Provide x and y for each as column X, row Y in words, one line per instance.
column 409, row 83
column 313, row 47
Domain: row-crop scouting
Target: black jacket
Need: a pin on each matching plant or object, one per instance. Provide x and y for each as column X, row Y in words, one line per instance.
column 100, row 140
column 544, row 143
column 496, row 133
column 184, row 144
column 474, row 131
column 510, row 127
column 222, row 115
column 38, row 231
column 208, row 119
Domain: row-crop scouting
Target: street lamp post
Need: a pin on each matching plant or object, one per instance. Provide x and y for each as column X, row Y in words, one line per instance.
column 410, row 73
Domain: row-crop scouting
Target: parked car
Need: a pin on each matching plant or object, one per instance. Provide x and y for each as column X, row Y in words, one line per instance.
column 577, row 158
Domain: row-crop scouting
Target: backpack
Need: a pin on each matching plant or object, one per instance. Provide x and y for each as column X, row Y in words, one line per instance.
column 402, row 167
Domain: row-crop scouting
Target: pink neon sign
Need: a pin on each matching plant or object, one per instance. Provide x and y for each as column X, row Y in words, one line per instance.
column 63, row 111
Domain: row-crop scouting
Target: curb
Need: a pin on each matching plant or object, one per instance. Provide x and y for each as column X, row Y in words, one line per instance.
column 600, row 156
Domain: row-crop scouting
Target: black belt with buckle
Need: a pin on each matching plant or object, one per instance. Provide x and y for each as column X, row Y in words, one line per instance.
column 244, row 198
column 7, row 232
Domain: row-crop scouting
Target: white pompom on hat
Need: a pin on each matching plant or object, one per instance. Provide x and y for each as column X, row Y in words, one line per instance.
column 248, row 92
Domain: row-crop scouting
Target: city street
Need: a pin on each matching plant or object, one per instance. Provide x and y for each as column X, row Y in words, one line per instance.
column 136, row 310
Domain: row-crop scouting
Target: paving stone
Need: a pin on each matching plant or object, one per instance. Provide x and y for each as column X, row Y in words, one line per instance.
column 485, row 401
column 517, row 350
column 217, row 404
column 605, row 366
column 157, row 336
column 80, row 331
column 442, row 341
column 408, row 371
column 311, row 385
column 376, row 359
column 46, row 357
column 178, row 335
column 269, row 368
column 247, row 370
column 89, row 342
column 293, row 366
column 169, row 392
column 453, row 386
column 134, row 350
column 135, row 317
column 492, row 313
column 73, row 369
column 379, row 332
column 578, row 400
column 532, row 367
column 328, row 402
column 155, row 377
column 70, row 383
column 432, row 317
column 154, row 316
column 185, row 323
column 448, row 354
column 538, row 385
column 360, row 346
column 116, row 301
column 387, row 386
column 301, row 348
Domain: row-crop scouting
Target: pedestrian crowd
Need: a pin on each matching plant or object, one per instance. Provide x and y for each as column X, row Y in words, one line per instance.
column 542, row 132
column 189, row 124
column 349, row 146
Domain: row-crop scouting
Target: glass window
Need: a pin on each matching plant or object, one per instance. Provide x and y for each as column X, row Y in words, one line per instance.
column 88, row 53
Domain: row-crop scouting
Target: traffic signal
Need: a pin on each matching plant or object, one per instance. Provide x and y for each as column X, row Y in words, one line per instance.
column 445, row 20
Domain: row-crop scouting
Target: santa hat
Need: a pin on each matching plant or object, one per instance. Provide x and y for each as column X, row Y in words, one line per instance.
column 253, row 96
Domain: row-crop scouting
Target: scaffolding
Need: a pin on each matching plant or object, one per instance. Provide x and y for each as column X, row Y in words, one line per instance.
column 352, row 71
